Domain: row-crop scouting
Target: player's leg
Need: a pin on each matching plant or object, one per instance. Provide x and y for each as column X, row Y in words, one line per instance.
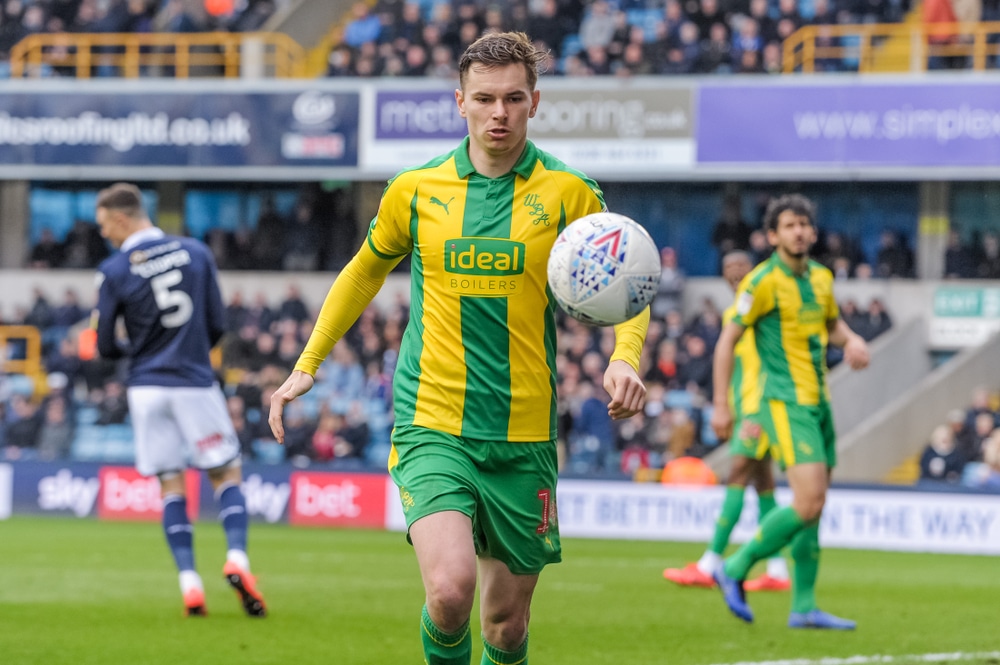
column 180, row 538
column 446, row 556
column 159, row 450
column 211, row 444
column 520, row 536
column 505, row 606
column 776, row 577
column 806, row 548
column 226, row 482
column 700, row 572
column 433, row 471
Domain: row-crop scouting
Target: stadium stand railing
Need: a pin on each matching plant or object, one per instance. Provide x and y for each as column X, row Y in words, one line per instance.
column 131, row 55
column 28, row 360
column 911, row 46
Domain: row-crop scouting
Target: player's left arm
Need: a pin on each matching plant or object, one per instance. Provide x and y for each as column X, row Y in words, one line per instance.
column 854, row 346
column 621, row 379
column 106, row 315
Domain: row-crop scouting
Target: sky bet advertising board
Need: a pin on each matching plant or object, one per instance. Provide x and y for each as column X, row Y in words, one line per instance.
column 305, row 128
column 898, row 519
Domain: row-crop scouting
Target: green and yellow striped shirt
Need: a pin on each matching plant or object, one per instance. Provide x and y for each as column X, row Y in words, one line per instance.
column 744, row 389
column 789, row 314
column 478, row 356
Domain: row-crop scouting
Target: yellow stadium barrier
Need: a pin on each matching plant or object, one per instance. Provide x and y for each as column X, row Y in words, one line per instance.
column 174, row 55
column 31, row 364
column 890, row 47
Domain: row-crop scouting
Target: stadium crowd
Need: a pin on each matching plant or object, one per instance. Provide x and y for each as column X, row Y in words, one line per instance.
column 965, row 450
column 346, row 419
column 417, row 38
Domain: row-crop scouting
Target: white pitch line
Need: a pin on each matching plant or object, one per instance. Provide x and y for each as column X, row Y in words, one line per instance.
column 870, row 660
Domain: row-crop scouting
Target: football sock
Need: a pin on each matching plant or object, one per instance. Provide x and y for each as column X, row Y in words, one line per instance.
column 774, row 532
column 177, row 528
column 494, row 656
column 709, row 562
column 190, row 580
column 732, row 506
column 776, row 566
column 805, row 554
column 441, row 648
column 765, row 504
column 233, row 515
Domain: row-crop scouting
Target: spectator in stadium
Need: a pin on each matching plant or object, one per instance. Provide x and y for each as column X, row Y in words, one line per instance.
column 959, row 259
column 716, row 52
column 759, row 248
column 112, row 409
column 794, row 406
column 363, row 27
column 55, row 434
column 894, row 257
column 670, row 292
column 173, row 315
column 21, row 426
column 447, row 406
column 989, row 257
column 236, row 408
column 941, row 460
column 731, row 231
column 47, row 252
column 598, row 26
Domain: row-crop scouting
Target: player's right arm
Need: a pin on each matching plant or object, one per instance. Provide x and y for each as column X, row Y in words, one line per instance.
column 388, row 241
column 352, row 292
column 722, row 374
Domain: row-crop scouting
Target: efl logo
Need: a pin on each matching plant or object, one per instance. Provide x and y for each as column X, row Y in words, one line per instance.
column 338, row 499
column 127, row 495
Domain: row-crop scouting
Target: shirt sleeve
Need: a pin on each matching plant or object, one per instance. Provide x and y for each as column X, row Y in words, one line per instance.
column 107, row 316
column 629, row 338
column 389, row 234
column 216, row 310
column 352, row 291
column 754, row 299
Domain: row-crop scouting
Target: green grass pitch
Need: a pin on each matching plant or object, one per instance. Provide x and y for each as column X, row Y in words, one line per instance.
column 88, row 592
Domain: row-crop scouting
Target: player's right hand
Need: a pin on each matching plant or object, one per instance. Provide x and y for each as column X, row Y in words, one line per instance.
column 722, row 422
column 297, row 383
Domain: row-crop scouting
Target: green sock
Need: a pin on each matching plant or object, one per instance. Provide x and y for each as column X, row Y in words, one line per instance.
column 494, row 656
column 774, row 532
column 441, row 648
column 805, row 554
column 765, row 504
column 732, row 506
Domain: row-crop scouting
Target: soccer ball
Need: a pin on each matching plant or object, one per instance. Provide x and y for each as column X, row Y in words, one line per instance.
column 604, row 269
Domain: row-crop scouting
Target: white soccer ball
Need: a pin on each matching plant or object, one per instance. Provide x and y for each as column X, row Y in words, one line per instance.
column 604, row 269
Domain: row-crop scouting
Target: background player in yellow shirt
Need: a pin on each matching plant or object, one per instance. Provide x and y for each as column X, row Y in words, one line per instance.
column 788, row 301
column 474, row 451
column 751, row 459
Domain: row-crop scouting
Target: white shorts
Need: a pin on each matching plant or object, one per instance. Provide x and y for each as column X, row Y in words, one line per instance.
column 180, row 427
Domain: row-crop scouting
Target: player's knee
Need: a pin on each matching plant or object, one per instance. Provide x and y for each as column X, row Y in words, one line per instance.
column 810, row 507
column 451, row 593
column 505, row 631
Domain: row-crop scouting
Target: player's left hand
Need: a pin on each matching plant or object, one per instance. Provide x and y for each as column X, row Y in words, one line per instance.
column 856, row 352
column 628, row 394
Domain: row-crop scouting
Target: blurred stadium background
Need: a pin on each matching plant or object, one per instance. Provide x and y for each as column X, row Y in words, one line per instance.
column 268, row 128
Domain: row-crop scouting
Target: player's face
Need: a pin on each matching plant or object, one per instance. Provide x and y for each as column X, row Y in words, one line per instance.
column 111, row 226
column 734, row 270
column 793, row 236
column 497, row 102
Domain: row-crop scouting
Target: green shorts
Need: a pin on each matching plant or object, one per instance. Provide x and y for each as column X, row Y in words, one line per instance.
column 799, row 434
column 746, row 442
column 507, row 490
